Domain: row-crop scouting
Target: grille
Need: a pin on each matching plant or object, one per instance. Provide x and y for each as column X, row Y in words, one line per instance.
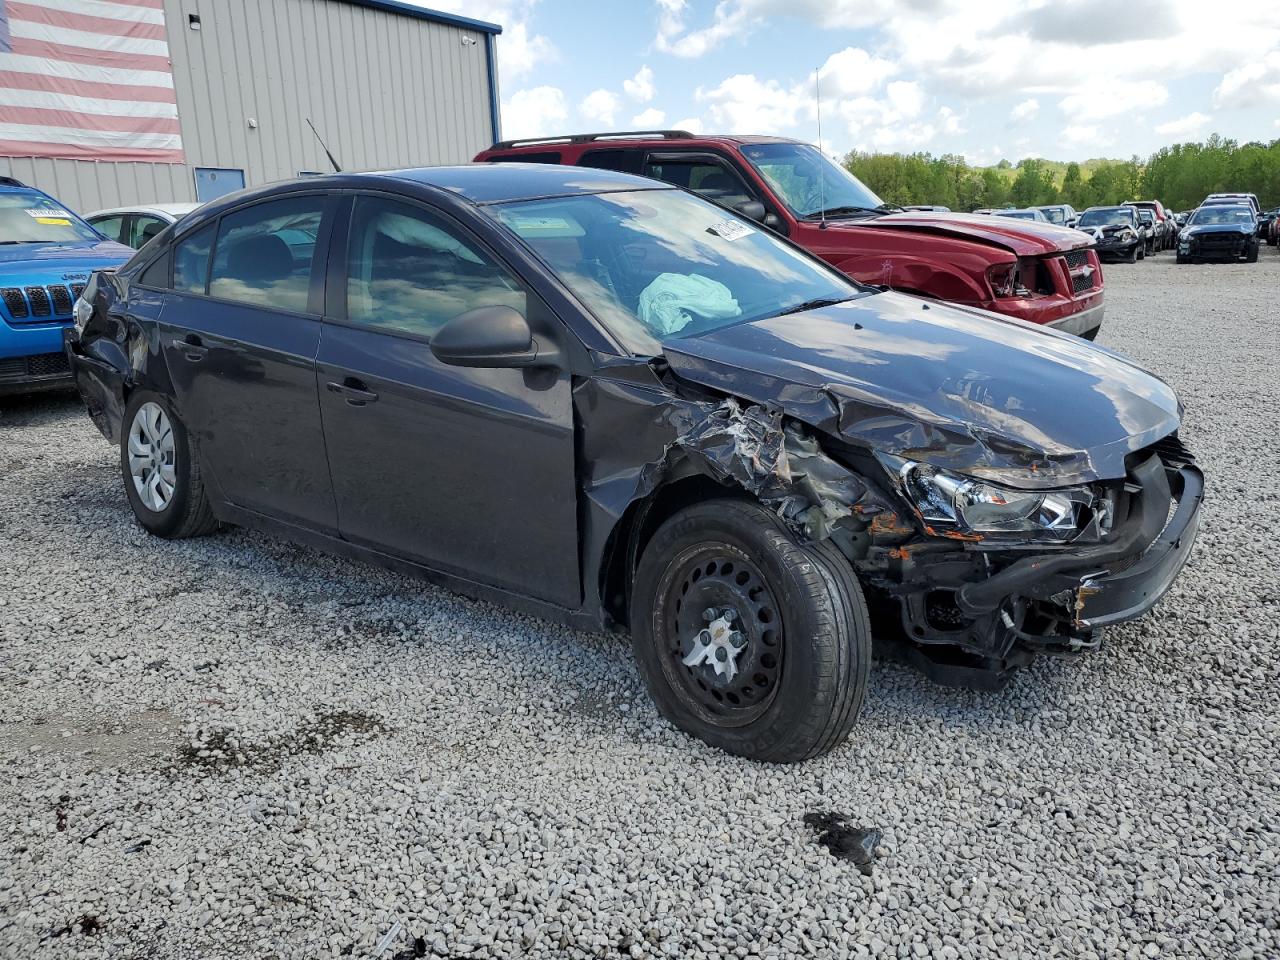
column 1081, row 282
column 61, row 297
column 76, row 290
column 39, row 297
column 1076, row 259
column 41, row 365
column 48, row 364
column 1220, row 241
column 15, row 303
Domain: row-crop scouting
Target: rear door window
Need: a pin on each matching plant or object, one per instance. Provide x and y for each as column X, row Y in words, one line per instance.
column 111, row 227
column 624, row 161
column 191, row 261
column 264, row 253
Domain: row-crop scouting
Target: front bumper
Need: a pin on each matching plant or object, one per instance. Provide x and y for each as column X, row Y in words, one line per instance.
column 1223, row 247
column 1080, row 323
column 1118, row 248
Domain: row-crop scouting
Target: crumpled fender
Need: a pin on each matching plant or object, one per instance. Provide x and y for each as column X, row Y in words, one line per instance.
column 913, row 274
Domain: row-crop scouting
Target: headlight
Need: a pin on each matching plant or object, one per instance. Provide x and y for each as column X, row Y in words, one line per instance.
column 951, row 503
column 82, row 311
column 1127, row 234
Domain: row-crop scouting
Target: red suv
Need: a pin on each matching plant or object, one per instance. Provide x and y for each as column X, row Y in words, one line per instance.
column 1033, row 271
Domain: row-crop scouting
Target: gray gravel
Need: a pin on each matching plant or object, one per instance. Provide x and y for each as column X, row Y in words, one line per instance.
column 235, row 747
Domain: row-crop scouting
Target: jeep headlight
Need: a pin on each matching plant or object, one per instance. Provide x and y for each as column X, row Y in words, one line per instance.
column 950, row 503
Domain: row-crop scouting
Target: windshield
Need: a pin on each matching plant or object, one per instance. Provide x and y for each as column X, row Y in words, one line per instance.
column 653, row 264
column 1019, row 214
column 1221, row 214
column 1054, row 214
column 807, row 180
column 1116, row 216
column 30, row 217
column 1146, row 216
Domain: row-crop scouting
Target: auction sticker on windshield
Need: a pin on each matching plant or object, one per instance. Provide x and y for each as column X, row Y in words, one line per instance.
column 730, row 230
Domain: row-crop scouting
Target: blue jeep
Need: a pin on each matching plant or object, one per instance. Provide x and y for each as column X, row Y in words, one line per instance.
column 46, row 256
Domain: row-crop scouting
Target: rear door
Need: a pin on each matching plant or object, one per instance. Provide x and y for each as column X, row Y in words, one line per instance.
column 469, row 471
column 240, row 335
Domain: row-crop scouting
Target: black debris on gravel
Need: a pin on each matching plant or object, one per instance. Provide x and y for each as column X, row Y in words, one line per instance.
column 857, row 844
column 214, row 751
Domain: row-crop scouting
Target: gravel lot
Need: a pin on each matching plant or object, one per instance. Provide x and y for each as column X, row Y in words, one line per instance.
column 234, row 747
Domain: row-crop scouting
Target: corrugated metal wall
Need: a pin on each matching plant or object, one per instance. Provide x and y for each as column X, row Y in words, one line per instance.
column 384, row 90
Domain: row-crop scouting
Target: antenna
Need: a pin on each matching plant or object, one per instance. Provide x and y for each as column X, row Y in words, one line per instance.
column 336, row 168
column 822, row 170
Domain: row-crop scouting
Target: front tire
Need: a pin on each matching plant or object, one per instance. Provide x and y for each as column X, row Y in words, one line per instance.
column 747, row 639
column 161, row 470
column 1252, row 255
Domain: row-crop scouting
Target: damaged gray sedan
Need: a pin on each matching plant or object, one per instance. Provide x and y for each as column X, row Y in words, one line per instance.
column 597, row 398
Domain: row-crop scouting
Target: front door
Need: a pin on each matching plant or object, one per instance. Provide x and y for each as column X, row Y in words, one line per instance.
column 240, row 334
column 469, row 471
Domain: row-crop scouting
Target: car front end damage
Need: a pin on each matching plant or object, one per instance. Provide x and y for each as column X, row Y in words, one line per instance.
column 1216, row 243
column 972, row 606
column 989, row 518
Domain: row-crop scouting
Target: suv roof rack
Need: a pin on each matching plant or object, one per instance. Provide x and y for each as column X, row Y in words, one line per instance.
column 11, row 182
column 589, row 137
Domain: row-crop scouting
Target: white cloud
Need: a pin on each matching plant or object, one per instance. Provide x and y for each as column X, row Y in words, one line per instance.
column 951, row 121
column 1111, row 98
column 730, row 20
column 853, row 71
column 1250, row 84
column 743, row 102
column 1077, row 134
column 599, row 106
column 1191, row 123
column 692, row 124
column 640, row 87
column 536, row 112
column 650, row 119
column 905, row 97
column 1026, row 110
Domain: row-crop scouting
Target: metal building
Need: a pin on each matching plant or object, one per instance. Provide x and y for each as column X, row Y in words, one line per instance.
column 386, row 84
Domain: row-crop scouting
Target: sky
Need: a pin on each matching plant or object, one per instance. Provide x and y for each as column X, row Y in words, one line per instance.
column 987, row 79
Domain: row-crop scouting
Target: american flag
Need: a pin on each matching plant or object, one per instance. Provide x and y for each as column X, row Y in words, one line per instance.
column 87, row 79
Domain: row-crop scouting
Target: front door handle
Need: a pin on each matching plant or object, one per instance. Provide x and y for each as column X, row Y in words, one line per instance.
column 355, row 390
column 191, row 348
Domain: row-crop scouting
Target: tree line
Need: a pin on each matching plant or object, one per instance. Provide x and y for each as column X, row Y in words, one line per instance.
column 1180, row 176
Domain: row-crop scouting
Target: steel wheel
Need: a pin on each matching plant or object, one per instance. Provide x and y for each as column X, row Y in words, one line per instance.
column 151, row 457
column 723, row 634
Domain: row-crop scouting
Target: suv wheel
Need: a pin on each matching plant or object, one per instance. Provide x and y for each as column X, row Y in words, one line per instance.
column 746, row 638
column 161, row 472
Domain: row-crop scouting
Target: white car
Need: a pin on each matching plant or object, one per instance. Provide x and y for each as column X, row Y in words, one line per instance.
column 134, row 226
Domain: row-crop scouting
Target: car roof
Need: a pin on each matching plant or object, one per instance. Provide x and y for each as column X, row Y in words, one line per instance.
column 497, row 183
column 625, row 138
column 170, row 209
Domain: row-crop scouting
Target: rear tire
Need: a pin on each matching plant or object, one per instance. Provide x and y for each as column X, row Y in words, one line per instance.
column 800, row 673
column 161, row 470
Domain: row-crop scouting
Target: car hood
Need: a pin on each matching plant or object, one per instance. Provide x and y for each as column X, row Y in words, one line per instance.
column 1218, row 228
column 1026, row 238
column 971, row 391
column 22, row 263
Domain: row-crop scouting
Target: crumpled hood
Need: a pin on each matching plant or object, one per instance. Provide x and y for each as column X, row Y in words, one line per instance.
column 24, row 263
column 1026, row 238
column 971, row 391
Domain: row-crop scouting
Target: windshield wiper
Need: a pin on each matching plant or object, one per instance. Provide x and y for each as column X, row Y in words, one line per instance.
column 840, row 211
column 812, row 305
column 891, row 208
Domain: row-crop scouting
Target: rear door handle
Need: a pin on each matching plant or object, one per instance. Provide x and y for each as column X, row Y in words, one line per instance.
column 356, row 391
column 191, row 348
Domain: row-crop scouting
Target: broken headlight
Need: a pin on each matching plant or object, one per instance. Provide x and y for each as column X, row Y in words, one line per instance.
column 950, row 502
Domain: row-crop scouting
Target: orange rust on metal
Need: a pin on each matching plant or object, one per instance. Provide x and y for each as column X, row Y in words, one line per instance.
column 953, row 534
column 888, row 524
column 900, row 553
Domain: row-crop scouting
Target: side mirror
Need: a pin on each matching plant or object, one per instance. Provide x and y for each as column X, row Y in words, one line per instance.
column 497, row 336
column 752, row 209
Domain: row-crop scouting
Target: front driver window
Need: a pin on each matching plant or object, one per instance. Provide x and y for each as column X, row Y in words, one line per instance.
column 705, row 178
column 409, row 271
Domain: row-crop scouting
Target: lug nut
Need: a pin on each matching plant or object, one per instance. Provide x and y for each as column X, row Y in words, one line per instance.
column 709, row 614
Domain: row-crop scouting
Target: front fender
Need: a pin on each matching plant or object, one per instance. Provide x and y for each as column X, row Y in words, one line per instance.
column 916, row 275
